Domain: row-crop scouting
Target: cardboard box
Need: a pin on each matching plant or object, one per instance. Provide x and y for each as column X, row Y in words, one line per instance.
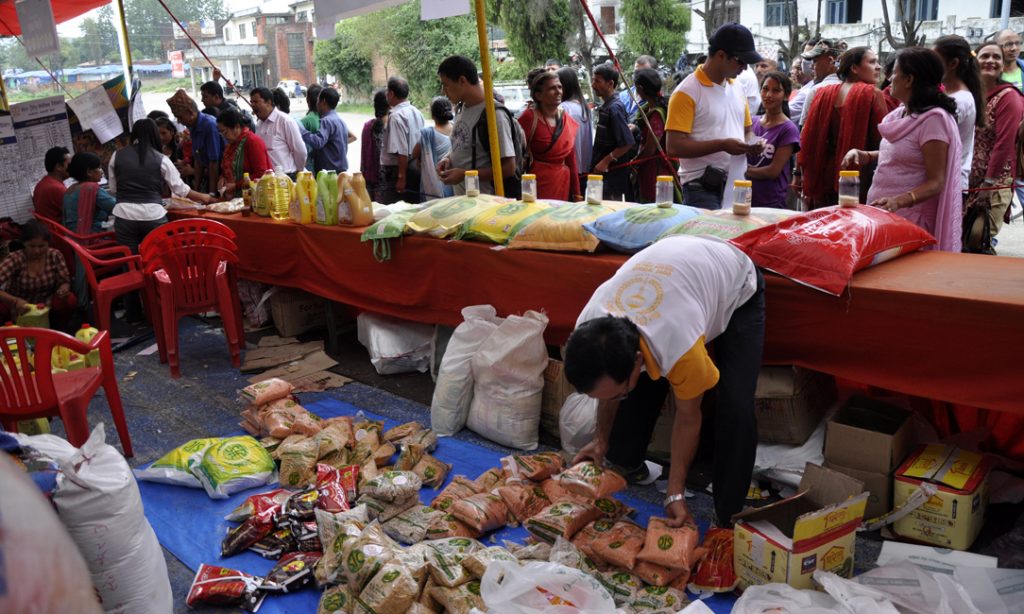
column 954, row 515
column 295, row 312
column 867, row 439
column 814, row 529
column 790, row 403
column 556, row 390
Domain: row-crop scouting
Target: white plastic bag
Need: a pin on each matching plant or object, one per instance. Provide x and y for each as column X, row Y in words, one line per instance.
column 98, row 501
column 508, row 369
column 784, row 599
column 532, row 587
column 905, row 585
column 454, row 389
column 43, row 571
column 577, row 422
column 395, row 346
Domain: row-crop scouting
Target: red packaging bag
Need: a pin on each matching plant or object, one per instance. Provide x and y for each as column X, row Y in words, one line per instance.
column 825, row 247
column 715, row 572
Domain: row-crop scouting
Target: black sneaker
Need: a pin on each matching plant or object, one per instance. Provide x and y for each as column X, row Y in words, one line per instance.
column 633, row 476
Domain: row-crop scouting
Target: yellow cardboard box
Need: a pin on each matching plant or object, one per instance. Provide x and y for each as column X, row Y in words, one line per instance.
column 954, row 515
column 814, row 529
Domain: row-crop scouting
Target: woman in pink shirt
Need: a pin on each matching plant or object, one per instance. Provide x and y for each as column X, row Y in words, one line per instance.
column 918, row 175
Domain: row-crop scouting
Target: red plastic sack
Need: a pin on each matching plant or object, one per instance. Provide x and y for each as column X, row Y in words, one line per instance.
column 716, row 573
column 825, row 247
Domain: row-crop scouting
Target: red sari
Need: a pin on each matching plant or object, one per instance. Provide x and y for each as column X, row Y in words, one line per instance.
column 554, row 164
column 248, row 154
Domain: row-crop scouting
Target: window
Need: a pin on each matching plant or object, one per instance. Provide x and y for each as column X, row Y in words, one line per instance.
column 927, row 10
column 301, row 16
column 608, row 19
column 227, row 35
column 843, row 11
column 296, row 50
column 728, row 11
column 241, row 31
column 779, row 12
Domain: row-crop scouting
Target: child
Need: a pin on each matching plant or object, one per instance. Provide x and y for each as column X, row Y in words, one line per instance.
column 771, row 170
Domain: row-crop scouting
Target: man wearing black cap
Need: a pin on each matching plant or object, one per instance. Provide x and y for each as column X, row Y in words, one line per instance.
column 709, row 119
column 823, row 56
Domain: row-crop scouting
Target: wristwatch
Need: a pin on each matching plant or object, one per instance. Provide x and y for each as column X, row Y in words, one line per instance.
column 669, row 500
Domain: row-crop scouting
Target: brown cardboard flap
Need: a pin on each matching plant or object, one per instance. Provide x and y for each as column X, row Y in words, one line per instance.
column 868, row 435
column 827, row 486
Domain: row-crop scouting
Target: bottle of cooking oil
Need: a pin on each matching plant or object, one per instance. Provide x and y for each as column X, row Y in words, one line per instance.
column 305, row 188
column 360, row 205
column 282, row 196
column 246, row 191
column 85, row 335
column 264, row 195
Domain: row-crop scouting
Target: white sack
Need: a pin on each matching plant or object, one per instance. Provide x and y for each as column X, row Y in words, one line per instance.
column 508, row 370
column 395, row 346
column 577, row 422
column 453, row 391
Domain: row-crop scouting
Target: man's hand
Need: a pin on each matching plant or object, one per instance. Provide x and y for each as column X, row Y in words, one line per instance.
column 855, row 158
column 444, row 165
column 451, row 176
column 735, row 147
column 677, row 514
column 602, row 165
column 400, row 184
column 595, row 451
column 21, row 306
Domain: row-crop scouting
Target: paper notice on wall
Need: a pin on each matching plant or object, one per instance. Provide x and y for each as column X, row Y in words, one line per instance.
column 438, row 9
column 12, row 176
column 38, row 27
column 97, row 113
column 38, row 126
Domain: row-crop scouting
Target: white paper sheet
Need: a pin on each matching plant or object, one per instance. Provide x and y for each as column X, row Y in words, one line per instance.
column 38, row 27
column 936, row 560
column 38, row 126
column 96, row 113
column 438, row 9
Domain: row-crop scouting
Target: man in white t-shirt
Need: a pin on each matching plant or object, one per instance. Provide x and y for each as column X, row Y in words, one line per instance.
column 461, row 84
column 646, row 330
column 709, row 123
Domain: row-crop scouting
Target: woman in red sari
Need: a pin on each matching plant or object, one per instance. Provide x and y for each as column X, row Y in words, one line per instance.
column 551, row 136
column 841, row 117
column 245, row 153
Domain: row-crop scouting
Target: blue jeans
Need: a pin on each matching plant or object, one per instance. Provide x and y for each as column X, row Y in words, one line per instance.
column 737, row 354
column 696, row 195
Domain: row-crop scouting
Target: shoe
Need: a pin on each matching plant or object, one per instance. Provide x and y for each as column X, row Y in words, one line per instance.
column 636, row 475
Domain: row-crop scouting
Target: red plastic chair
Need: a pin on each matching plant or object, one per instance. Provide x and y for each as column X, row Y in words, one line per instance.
column 104, row 290
column 187, row 276
column 189, row 226
column 97, row 240
column 37, row 392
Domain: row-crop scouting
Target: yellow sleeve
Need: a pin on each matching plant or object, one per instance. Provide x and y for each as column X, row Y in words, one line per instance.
column 747, row 122
column 681, row 108
column 694, row 373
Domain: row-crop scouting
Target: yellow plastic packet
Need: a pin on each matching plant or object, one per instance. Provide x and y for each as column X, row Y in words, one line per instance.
column 561, row 229
column 444, row 216
column 499, row 223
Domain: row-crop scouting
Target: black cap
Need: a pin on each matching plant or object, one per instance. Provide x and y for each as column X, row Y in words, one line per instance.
column 735, row 40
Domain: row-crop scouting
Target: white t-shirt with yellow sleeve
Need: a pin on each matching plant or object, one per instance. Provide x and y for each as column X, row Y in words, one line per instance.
column 681, row 293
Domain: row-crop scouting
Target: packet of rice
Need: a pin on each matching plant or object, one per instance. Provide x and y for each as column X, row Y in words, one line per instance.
column 589, row 480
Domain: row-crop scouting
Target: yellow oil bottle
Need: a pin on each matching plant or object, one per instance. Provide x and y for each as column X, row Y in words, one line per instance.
column 85, row 335
column 304, row 209
column 282, row 196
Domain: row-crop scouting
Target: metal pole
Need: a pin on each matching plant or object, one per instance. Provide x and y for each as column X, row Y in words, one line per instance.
column 122, row 41
column 492, row 126
column 1004, row 15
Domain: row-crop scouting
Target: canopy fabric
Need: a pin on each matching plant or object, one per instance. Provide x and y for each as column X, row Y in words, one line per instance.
column 63, row 10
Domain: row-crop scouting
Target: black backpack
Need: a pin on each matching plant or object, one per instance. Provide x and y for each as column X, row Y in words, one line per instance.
column 513, row 185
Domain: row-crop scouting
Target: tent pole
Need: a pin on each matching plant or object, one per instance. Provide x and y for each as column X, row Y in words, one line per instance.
column 122, row 41
column 492, row 127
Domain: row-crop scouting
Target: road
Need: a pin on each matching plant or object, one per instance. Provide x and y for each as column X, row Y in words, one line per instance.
column 1011, row 238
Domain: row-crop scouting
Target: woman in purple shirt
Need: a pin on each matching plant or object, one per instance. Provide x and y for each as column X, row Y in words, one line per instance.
column 771, row 170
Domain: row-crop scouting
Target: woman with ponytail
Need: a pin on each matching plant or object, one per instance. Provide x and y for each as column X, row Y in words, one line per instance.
column 918, row 174
column 963, row 84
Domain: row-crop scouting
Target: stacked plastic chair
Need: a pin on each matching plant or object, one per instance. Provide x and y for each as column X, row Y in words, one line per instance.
column 190, row 269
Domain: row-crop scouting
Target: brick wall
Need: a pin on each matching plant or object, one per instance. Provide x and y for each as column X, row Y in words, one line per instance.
column 276, row 37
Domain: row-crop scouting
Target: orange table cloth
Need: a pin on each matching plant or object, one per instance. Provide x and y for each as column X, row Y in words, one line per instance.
column 941, row 326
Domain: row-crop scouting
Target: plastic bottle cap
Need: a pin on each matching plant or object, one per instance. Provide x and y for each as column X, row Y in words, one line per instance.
column 40, row 306
column 472, row 173
column 849, row 173
column 86, row 325
column 742, row 183
column 664, row 177
column 529, row 177
column 595, row 177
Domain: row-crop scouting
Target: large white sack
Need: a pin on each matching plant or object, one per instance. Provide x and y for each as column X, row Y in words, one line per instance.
column 508, row 373
column 42, row 570
column 98, row 501
column 453, row 391
column 577, row 422
column 395, row 345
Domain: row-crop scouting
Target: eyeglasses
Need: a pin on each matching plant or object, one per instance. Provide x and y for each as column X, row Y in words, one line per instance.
column 1011, row 44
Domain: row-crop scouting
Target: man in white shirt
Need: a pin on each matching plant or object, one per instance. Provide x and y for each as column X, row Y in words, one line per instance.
column 279, row 132
column 401, row 134
column 823, row 55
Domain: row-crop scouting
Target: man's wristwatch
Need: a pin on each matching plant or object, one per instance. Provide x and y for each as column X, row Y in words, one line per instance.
column 669, row 500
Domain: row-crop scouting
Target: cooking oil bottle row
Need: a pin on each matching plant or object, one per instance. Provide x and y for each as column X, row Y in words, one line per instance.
column 328, row 199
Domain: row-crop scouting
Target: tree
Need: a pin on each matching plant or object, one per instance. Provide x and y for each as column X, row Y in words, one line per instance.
column 149, row 25
column 655, row 27
column 906, row 12
column 797, row 33
column 98, row 42
column 345, row 57
column 717, row 13
column 583, row 39
column 535, row 30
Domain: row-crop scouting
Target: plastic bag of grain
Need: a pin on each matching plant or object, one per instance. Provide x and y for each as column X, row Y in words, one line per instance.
column 453, row 391
column 508, row 373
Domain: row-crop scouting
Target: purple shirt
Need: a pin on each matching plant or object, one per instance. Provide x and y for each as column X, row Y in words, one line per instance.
column 772, row 192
